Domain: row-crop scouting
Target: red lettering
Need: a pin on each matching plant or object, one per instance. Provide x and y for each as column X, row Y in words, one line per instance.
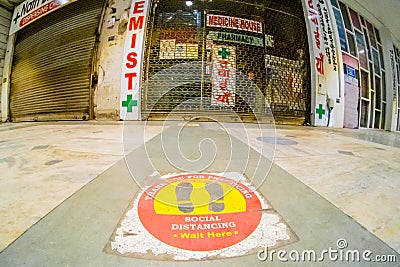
column 224, row 64
column 259, row 27
column 313, row 16
column 139, row 7
column 236, row 23
column 136, row 23
column 130, row 77
column 131, row 57
column 223, row 84
column 224, row 98
column 211, row 20
column 133, row 42
column 224, row 72
column 320, row 63
column 317, row 38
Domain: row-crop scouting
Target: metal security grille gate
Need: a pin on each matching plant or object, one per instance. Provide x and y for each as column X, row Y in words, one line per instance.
column 51, row 75
column 227, row 55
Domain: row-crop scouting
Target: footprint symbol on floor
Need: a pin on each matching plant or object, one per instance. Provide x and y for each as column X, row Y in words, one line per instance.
column 216, row 197
column 183, row 191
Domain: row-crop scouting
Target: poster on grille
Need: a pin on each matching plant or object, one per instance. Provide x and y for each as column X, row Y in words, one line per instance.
column 170, row 50
column 167, row 49
column 186, row 51
column 223, row 75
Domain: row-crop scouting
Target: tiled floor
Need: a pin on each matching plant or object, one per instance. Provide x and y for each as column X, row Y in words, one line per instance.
column 43, row 164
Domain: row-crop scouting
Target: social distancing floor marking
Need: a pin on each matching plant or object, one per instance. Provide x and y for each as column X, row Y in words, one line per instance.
column 200, row 214
column 199, row 197
column 196, row 216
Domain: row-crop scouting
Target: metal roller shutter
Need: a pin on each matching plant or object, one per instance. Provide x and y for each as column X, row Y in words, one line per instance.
column 51, row 75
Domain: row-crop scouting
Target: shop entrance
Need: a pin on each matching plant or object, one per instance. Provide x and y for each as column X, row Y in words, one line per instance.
column 222, row 57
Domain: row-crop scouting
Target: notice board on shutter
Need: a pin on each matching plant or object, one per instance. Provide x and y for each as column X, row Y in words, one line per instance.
column 52, row 65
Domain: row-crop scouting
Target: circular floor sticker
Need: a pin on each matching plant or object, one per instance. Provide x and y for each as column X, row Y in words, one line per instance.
column 199, row 212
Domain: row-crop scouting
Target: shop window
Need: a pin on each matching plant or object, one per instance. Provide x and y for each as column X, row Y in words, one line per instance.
column 378, row 91
column 367, row 43
column 335, row 3
column 398, row 124
column 372, row 113
column 376, row 62
column 371, row 34
column 362, row 21
column 398, row 95
column 371, row 76
column 364, row 114
column 345, row 16
column 341, row 30
column 381, row 57
column 364, row 85
column 355, row 19
column 383, row 86
column 377, row 124
column 362, row 50
column 377, row 35
column 398, row 73
column 383, row 116
column 352, row 45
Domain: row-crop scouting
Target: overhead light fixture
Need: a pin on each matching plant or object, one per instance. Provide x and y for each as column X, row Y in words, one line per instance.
column 189, row 3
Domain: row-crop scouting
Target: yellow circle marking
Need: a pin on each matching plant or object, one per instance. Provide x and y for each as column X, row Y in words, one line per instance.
column 166, row 201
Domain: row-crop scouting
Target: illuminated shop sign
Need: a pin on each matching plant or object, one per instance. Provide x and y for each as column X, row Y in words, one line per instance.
column 235, row 38
column 324, row 57
column 224, row 75
column 133, row 60
column 32, row 10
column 227, row 22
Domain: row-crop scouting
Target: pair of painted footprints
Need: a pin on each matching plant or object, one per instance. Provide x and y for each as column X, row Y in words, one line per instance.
column 184, row 190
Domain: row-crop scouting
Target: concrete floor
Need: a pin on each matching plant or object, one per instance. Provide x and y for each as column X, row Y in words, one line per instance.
column 326, row 183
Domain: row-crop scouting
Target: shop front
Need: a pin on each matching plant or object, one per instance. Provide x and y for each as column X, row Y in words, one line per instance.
column 218, row 58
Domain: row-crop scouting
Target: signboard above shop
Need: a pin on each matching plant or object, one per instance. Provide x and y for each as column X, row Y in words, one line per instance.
column 235, row 38
column 32, row 10
column 233, row 23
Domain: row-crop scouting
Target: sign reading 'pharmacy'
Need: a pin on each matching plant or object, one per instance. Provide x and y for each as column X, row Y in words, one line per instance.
column 235, row 38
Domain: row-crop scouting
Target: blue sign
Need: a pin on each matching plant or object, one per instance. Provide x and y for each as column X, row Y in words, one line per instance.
column 350, row 71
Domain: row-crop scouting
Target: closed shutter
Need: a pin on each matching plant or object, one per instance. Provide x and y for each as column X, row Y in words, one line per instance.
column 51, row 75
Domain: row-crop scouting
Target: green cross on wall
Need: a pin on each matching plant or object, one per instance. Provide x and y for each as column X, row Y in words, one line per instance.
column 224, row 53
column 129, row 103
column 320, row 111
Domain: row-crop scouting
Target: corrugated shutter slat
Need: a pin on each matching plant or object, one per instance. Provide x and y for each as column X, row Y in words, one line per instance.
column 52, row 64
